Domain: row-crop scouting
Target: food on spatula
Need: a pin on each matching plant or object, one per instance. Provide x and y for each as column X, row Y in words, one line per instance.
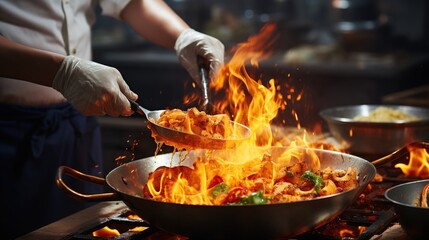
column 197, row 122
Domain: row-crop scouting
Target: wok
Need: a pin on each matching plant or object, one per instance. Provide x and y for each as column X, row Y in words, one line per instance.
column 227, row 221
column 405, row 198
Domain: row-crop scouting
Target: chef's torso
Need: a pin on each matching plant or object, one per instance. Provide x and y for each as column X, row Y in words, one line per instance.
column 60, row 26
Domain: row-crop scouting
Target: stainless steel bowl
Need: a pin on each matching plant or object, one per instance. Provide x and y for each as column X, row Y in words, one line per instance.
column 375, row 138
column 413, row 218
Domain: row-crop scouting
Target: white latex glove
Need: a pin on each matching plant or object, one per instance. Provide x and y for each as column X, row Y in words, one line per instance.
column 190, row 44
column 92, row 88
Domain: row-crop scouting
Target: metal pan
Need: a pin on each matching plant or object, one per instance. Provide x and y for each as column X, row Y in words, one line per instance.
column 280, row 220
column 192, row 141
column 413, row 218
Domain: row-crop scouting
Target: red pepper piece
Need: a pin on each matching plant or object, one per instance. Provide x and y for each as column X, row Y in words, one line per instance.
column 215, row 181
column 235, row 194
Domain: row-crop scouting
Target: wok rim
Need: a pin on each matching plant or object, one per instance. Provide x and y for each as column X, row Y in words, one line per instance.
column 359, row 188
column 400, row 203
column 328, row 115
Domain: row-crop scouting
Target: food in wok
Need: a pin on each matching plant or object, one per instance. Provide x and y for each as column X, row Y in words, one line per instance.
column 277, row 220
column 263, row 180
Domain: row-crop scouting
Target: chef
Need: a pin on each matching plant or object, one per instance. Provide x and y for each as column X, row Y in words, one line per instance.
column 50, row 91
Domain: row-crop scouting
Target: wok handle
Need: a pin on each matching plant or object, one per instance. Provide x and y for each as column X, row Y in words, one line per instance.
column 400, row 153
column 85, row 177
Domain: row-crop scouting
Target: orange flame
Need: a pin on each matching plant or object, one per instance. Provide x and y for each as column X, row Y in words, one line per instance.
column 248, row 102
column 418, row 165
column 352, row 231
column 106, row 232
column 346, row 233
column 362, row 229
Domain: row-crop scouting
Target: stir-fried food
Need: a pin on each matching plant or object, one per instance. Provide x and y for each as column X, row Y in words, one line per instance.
column 196, row 122
column 262, row 181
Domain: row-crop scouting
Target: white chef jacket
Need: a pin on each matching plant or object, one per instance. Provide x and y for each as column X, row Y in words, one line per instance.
column 61, row 26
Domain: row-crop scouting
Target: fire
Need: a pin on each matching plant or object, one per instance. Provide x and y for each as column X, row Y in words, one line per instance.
column 138, row 229
column 418, row 165
column 106, row 232
column 352, row 232
column 133, row 216
column 247, row 101
column 346, row 233
column 362, row 229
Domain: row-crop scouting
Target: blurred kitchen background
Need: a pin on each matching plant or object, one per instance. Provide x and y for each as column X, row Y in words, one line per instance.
column 337, row 52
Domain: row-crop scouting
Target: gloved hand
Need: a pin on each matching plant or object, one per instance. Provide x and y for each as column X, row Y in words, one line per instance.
column 191, row 44
column 92, row 88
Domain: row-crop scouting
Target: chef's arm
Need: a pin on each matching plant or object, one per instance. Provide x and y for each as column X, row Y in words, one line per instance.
column 155, row 21
column 25, row 63
column 91, row 88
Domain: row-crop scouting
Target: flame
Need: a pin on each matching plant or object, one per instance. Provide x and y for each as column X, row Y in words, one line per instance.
column 138, row 229
column 362, row 229
column 418, row 165
column 106, row 232
column 248, row 101
column 346, row 233
column 352, row 232
column 193, row 97
column 133, row 216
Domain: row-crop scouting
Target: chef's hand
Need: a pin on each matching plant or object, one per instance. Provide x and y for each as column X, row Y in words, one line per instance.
column 190, row 44
column 92, row 88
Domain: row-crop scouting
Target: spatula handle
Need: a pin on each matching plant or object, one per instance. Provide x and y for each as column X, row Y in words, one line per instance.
column 202, row 66
column 134, row 105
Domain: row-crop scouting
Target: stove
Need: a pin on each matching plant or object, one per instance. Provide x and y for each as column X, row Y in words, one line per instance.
column 371, row 216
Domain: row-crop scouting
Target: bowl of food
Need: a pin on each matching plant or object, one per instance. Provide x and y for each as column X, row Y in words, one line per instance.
column 376, row 130
column 410, row 201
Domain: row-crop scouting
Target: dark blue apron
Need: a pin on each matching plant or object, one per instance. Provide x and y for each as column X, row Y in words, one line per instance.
column 34, row 142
